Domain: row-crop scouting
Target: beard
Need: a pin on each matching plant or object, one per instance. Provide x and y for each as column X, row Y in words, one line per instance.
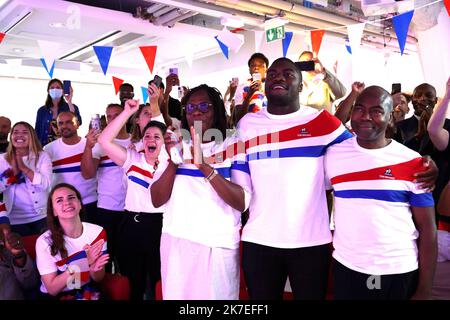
column 67, row 133
column 3, row 136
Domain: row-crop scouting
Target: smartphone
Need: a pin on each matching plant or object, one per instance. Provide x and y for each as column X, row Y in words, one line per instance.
column 173, row 71
column 256, row 76
column 66, row 86
column 180, row 92
column 396, row 88
column 305, row 65
column 157, row 80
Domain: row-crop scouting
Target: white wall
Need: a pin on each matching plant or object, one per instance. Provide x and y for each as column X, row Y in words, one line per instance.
column 434, row 50
column 23, row 95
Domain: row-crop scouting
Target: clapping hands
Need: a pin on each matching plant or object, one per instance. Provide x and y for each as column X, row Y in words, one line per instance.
column 94, row 253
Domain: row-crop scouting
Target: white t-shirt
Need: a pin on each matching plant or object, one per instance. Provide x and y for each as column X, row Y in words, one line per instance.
column 76, row 256
column 111, row 180
column 159, row 118
column 288, row 208
column 140, row 176
column 373, row 190
column 26, row 200
column 257, row 101
column 195, row 211
column 66, row 161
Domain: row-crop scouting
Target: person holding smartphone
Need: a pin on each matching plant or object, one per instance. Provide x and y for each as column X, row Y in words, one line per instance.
column 320, row 86
column 57, row 101
column 249, row 96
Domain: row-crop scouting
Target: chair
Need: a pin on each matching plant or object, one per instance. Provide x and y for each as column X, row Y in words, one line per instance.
column 113, row 286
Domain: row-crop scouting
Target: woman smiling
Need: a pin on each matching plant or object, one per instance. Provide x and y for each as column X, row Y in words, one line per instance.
column 25, row 178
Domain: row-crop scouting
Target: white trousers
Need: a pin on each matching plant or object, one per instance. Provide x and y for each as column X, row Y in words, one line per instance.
column 192, row 271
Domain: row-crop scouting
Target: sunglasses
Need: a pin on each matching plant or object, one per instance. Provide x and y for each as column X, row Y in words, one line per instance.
column 202, row 107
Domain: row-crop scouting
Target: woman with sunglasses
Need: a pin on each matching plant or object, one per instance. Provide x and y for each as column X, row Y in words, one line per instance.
column 200, row 237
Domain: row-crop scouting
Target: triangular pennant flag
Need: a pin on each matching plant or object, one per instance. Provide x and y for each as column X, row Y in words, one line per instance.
column 189, row 56
column 144, row 94
column 355, row 33
column 189, row 50
column 401, row 26
column 240, row 38
column 231, row 40
column 149, row 53
column 307, row 40
column 117, row 83
column 286, row 42
column 258, row 39
column 447, row 6
column 103, row 55
column 49, row 50
column 2, row 35
column 349, row 49
column 223, row 47
column 50, row 72
column 316, row 40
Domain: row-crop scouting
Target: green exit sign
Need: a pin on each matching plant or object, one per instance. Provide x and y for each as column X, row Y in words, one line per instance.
column 275, row 34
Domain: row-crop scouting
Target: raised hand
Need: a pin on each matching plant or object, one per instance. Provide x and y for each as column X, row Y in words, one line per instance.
column 69, row 96
column 91, row 137
column 358, row 87
column 318, row 67
column 131, row 106
column 174, row 146
column 254, row 86
column 172, row 80
column 153, row 92
column 423, row 121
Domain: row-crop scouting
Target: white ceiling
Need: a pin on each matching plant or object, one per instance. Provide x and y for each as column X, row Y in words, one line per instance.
column 84, row 26
column 119, row 29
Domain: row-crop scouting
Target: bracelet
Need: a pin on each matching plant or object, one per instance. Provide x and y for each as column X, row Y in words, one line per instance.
column 211, row 175
column 71, row 271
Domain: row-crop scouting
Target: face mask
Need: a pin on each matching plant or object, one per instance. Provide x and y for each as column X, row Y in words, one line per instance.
column 55, row 93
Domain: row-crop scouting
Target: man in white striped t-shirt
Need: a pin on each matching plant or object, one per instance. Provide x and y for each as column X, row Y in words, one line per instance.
column 66, row 153
column 385, row 232
column 288, row 234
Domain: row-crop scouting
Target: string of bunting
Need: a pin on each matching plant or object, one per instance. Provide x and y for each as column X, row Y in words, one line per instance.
column 227, row 40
